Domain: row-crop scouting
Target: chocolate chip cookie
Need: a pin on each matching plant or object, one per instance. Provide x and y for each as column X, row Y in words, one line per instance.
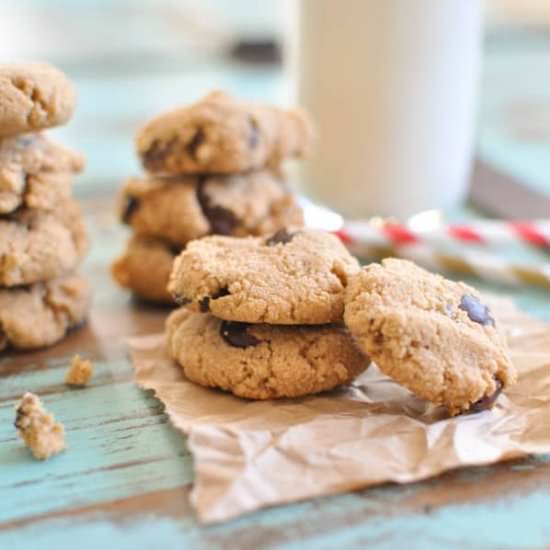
column 37, row 245
column 222, row 135
column 183, row 209
column 432, row 335
column 33, row 97
column 35, row 171
column 262, row 361
column 293, row 277
column 40, row 314
column 145, row 268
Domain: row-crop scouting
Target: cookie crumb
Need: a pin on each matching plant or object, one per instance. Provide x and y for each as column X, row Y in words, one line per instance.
column 80, row 372
column 38, row 429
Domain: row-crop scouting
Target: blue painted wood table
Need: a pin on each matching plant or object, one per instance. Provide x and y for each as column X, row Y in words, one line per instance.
column 126, row 478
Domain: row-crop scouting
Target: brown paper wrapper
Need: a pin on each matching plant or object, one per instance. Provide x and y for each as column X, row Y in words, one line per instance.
column 251, row 454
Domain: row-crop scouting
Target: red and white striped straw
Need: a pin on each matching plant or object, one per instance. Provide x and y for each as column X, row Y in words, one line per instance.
column 478, row 232
column 472, row 263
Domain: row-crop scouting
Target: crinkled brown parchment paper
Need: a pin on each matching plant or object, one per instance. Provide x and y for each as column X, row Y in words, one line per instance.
column 252, row 454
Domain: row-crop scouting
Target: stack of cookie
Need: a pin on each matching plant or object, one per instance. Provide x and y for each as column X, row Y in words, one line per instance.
column 263, row 316
column 269, row 318
column 42, row 236
column 213, row 167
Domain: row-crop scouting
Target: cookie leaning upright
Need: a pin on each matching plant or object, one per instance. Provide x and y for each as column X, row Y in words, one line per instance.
column 42, row 235
column 432, row 335
column 220, row 134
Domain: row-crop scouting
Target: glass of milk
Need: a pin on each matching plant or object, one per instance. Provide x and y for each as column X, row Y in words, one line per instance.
column 392, row 88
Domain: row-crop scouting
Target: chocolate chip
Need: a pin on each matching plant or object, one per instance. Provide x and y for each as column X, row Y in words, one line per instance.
column 487, row 402
column 221, row 293
column 254, row 136
column 18, row 417
column 281, row 237
column 222, row 221
column 204, row 304
column 154, row 157
column 132, row 204
column 174, row 249
column 477, row 312
column 236, row 334
column 155, row 154
column 196, row 141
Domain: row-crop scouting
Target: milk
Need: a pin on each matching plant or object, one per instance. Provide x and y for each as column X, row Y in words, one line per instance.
column 392, row 87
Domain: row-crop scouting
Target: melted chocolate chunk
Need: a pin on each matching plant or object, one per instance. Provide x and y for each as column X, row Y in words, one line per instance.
column 196, row 141
column 175, row 249
column 19, row 416
column 132, row 204
column 254, row 136
column 222, row 221
column 204, row 304
column 155, row 154
column 487, row 402
column 236, row 334
column 477, row 312
column 281, row 237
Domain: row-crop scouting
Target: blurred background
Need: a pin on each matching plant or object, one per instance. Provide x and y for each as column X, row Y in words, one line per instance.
column 132, row 59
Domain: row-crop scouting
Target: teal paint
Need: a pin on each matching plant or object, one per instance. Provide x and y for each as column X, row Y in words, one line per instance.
column 521, row 522
column 119, row 446
column 516, row 523
column 100, row 534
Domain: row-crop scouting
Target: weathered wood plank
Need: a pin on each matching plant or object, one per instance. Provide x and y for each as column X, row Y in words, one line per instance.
column 119, row 445
column 452, row 512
